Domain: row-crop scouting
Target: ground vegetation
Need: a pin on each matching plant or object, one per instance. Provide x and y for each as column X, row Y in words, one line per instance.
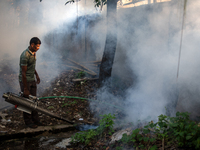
column 168, row 133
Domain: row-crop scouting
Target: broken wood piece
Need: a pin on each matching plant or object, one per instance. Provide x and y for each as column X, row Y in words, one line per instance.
column 78, row 80
column 81, row 70
column 98, row 61
column 82, row 66
column 92, row 65
column 68, row 62
column 27, row 132
column 92, row 62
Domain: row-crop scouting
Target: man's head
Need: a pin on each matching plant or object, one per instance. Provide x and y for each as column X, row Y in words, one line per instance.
column 35, row 44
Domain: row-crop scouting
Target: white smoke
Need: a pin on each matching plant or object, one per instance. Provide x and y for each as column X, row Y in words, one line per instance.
column 20, row 21
column 147, row 49
column 149, row 37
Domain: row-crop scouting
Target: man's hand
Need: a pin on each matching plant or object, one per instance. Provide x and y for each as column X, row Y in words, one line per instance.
column 26, row 93
column 38, row 79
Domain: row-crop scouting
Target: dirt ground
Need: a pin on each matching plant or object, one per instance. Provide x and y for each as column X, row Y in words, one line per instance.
column 73, row 109
column 69, row 108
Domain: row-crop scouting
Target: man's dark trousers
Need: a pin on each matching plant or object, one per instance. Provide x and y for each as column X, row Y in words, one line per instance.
column 33, row 117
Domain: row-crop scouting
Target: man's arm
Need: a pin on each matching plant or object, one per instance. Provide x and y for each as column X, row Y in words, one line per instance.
column 37, row 77
column 24, row 81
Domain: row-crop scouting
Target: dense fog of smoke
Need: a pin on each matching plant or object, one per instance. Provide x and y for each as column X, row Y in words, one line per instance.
column 152, row 60
column 156, row 61
column 20, row 21
column 149, row 39
column 146, row 57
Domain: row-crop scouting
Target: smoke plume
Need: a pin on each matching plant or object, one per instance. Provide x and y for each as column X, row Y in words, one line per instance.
column 149, row 40
column 146, row 58
column 20, row 21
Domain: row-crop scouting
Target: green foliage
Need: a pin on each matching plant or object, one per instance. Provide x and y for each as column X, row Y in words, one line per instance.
column 98, row 3
column 106, row 124
column 153, row 148
column 186, row 132
column 139, row 139
column 81, row 74
column 119, row 148
column 84, row 136
column 126, row 139
column 181, row 129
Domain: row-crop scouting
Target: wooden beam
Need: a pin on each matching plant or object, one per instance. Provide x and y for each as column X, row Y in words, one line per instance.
column 82, row 66
column 81, row 70
column 78, row 80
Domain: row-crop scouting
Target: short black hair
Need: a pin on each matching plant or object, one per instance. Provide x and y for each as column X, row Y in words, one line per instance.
column 35, row 40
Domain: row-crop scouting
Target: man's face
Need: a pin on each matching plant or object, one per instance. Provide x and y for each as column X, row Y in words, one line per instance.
column 35, row 47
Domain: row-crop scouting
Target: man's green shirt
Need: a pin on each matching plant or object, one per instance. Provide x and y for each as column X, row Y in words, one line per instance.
column 28, row 59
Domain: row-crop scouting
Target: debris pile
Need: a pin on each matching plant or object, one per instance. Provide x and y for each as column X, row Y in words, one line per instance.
column 72, row 109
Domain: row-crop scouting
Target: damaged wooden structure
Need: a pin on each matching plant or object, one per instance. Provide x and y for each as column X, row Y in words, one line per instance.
column 29, row 132
column 90, row 68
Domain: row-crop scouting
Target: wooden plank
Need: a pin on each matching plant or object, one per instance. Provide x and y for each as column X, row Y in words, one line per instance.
column 82, row 66
column 78, row 80
column 81, row 70
column 45, row 128
column 92, row 62
column 29, row 132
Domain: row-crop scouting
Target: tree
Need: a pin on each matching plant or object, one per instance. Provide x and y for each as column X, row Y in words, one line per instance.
column 111, row 39
column 111, row 43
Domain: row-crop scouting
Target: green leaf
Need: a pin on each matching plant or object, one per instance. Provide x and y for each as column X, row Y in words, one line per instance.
column 146, row 139
column 141, row 138
column 133, row 140
column 136, row 131
column 153, row 148
column 182, row 126
column 146, row 131
column 152, row 139
column 178, row 114
column 71, row 1
column 188, row 137
column 152, row 125
column 181, row 134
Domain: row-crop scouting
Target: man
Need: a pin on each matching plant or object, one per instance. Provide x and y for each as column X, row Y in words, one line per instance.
column 27, row 79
